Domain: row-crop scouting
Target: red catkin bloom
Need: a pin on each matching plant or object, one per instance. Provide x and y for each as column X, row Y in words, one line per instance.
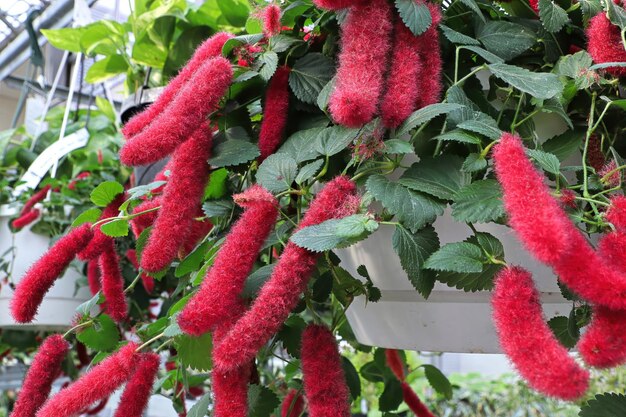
column 210, row 48
column 182, row 197
column 113, row 284
column 394, row 361
column 271, row 20
column 293, row 404
column 281, row 293
column 613, row 176
column 97, row 384
column 616, row 214
column 413, row 401
column 101, row 241
column 595, row 156
column 275, row 112
column 220, row 291
column 605, row 43
column 146, row 280
column 25, row 219
column 93, row 276
column 138, row 389
column 42, row 372
column 603, row 345
column 568, row 198
column 338, row 4
column 35, row 198
column 325, row 385
column 429, row 81
column 528, row 341
column 188, row 110
column 41, row 276
column 365, row 43
column 142, row 222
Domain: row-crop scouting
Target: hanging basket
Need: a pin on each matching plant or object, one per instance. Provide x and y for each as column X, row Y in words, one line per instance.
column 58, row 308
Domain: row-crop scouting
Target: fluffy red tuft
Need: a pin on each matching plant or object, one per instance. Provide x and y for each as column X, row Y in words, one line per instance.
column 271, row 20
column 94, row 386
column 603, row 345
column 146, row 280
column 138, row 389
column 142, row 222
column 394, row 362
column 25, row 219
column 413, row 401
column 616, row 213
column 35, row 198
column 181, row 199
column 41, row 276
column 338, row 4
column 101, row 241
column 215, row 300
column 325, row 385
column 93, row 276
column 113, row 284
column 365, row 43
column 534, row 4
column 293, row 404
column 275, row 112
column 528, row 341
column 429, row 81
column 210, row 48
column 605, row 43
column 288, row 280
column 188, row 110
column 38, row 381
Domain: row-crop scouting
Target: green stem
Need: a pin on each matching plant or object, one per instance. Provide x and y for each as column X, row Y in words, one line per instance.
column 155, row 338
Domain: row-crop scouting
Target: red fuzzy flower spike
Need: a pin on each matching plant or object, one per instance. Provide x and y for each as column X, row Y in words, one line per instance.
column 271, row 20
column 181, row 199
column 293, row 404
column 613, row 176
column 220, row 291
column 275, row 112
column 616, row 214
column 211, row 48
column 603, row 345
column 528, row 341
column 324, row 381
column 35, row 198
column 43, row 371
column 394, row 361
column 137, row 391
column 101, row 241
column 142, row 222
column 146, row 280
column 338, row 4
column 188, row 110
column 113, row 284
column 595, row 156
column 429, row 81
column 93, row 386
column 281, row 293
column 605, row 43
column 534, row 4
column 413, row 401
column 93, row 276
column 365, row 44
column 41, row 276
column 25, row 219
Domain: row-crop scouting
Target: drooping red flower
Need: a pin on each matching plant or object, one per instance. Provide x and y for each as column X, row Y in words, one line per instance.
column 338, row 4
column 603, row 345
column 605, row 43
column 325, row 385
column 101, row 241
column 41, row 276
column 25, row 219
column 96, row 384
column 365, row 44
column 142, row 222
column 394, row 362
column 138, row 389
column 293, row 404
column 181, row 199
column 275, row 112
column 616, row 214
column 220, row 291
column 93, row 276
column 595, row 156
column 614, row 177
column 42, row 372
column 113, row 283
column 413, row 401
column 429, row 82
column 568, row 198
column 188, row 110
column 35, row 198
column 288, row 280
column 210, row 48
column 271, row 20
column 528, row 341
column 146, row 280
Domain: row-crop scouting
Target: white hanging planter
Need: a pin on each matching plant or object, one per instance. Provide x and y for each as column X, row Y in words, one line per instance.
column 58, row 308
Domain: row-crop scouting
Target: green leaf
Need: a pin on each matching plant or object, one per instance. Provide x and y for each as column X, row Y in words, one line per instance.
column 489, row 243
column 548, row 162
column 232, row 43
column 617, row 15
column 609, row 404
column 269, row 63
column 457, row 37
column 106, row 68
column 506, row 39
column 564, row 145
column 308, row 171
column 67, row 39
column 483, row 124
column 261, row 400
column 576, row 67
column 101, row 336
column 233, row 152
column 352, row 377
column 440, row 177
column 105, row 193
column 256, row 280
column 415, row 210
column 88, row 216
column 391, row 398
column 277, row 172
column 371, row 372
column 235, row 11
column 194, row 352
column 106, row 108
column 552, row 16
column 398, row 146
column 291, row 334
column 193, row 261
column 413, row 249
column 334, row 139
column 458, row 135
column 302, row 145
column 473, row 6
column 115, row 228
column 478, row 202
column 486, row 55
column 309, row 75
column 461, row 257
column 201, row 408
column 217, row 208
column 471, row 281
column 335, row 233
column 425, row 114
column 537, row 84
column 280, row 43
column 324, row 96
column 559, row 326
column 415, row 15
column 438, row 381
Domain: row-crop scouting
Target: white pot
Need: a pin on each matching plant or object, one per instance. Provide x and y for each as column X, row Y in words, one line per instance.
column 59, row 306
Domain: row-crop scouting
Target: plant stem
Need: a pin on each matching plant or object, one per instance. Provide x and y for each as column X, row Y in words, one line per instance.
column 157, row 337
